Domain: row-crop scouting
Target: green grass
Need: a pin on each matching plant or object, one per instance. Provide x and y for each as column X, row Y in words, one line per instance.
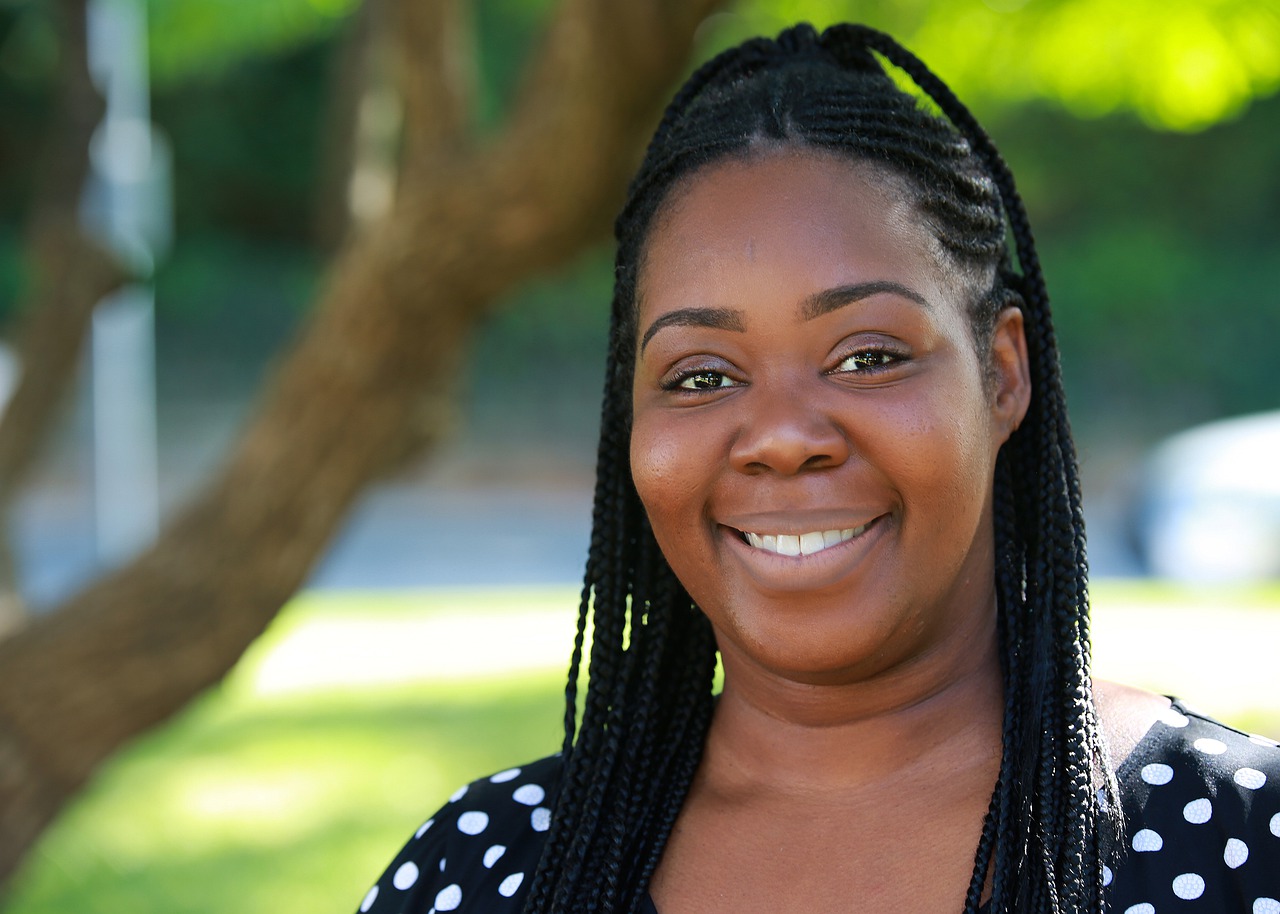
column 289, row 787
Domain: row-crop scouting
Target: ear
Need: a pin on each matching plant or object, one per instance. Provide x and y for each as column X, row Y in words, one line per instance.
column 1010, row 374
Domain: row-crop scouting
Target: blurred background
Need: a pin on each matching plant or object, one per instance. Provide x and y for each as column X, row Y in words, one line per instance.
column 232, row 155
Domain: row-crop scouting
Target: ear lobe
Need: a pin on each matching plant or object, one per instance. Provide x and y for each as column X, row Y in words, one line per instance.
column 1011, row 394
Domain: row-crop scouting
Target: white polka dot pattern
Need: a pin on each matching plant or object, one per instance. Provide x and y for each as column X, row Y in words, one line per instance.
column 477, row 852
column 1157, row 774
column 529, row 795
column 1210, row 746
column 1235, row 853
column 406, row 876
column 1201, row 804
column 1188, row 886
column 1198, row 798
column 510, row 885
column 1146, row 841
column 1198, row 812
column 1250, row 778
column 448, row 898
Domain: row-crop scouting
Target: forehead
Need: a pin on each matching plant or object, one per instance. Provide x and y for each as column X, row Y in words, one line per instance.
column 787, row 216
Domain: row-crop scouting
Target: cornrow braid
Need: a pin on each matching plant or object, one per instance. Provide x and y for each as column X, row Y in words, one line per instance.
column 631, row 751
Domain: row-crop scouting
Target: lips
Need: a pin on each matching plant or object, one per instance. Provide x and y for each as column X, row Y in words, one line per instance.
column 802, row 544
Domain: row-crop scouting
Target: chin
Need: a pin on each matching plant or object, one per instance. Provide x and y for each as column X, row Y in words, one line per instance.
column 817, row 654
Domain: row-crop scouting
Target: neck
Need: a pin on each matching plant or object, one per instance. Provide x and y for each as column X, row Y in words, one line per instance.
column 772, row 732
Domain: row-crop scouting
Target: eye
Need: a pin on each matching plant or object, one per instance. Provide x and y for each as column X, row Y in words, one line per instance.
column 866, row 361
column 703, row 380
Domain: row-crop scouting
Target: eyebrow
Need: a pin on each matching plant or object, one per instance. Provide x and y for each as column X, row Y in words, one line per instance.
column 815, row 305
column 716, row 318
column 829, row 300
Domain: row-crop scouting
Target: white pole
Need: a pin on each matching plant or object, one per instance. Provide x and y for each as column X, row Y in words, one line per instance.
column 126, row 205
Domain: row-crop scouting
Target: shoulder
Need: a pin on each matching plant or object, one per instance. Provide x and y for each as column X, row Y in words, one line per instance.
column 1127, row 715
column 1201, row 803
column 1199, row 752
column 477, row 852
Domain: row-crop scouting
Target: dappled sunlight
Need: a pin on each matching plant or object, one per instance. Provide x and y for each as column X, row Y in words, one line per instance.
column 357, row 714
column 357, row 653
column 1181, row 66
column 359, row 641
column 290, row 801
column 265, row 806
column 1216, row 648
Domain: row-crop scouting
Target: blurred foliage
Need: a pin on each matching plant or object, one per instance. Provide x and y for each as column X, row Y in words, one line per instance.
column 1179, row 64
column 1162, row 253
column 1162, row 246
column 247, row 146
column 196, row 38
column 539, row 365
column 226, row 304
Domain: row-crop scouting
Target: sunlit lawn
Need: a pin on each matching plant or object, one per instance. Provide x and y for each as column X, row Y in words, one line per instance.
column 287, row 789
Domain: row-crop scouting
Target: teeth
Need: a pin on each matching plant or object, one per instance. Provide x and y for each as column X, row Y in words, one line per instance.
column 805, row 543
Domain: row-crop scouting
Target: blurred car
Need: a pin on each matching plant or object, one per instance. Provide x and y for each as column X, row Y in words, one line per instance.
column 1208, row 508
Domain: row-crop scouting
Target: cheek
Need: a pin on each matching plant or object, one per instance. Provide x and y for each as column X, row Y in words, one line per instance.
column 661, row 470
column 943, row 452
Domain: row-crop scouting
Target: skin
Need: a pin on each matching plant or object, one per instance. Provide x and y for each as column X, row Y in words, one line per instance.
column 805, row 363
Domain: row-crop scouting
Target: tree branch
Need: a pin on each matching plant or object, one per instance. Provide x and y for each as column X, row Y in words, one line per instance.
column 434, row 49
column 390, row 330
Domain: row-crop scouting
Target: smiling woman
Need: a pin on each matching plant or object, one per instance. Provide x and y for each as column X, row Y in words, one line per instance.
column 834, row 451
column 817, row 465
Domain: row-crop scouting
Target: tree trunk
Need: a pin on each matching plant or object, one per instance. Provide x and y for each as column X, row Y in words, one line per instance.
column 382, row 349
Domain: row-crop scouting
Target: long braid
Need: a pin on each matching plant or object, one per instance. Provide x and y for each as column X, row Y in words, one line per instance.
column 1070, row 720
column 631, row 753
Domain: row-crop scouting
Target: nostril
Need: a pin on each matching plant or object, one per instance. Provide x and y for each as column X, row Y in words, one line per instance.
column 786, row 439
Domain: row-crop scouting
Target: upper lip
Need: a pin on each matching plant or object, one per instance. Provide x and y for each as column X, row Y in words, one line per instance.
column 797, row 523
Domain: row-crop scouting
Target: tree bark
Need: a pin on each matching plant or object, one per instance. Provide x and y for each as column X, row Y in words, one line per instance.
column 383, row 347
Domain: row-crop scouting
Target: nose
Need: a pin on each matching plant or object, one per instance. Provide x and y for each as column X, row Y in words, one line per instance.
column 786, row 433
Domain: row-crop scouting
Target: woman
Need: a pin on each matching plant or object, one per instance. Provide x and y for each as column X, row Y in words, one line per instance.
column 834, row 449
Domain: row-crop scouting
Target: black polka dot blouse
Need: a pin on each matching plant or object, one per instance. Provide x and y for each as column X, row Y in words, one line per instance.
column 1202, row 832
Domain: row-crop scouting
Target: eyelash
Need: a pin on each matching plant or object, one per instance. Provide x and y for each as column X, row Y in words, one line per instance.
column 881, row 358
column 678, row 382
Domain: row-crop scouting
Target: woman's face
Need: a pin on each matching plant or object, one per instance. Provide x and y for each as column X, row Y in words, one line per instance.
column 813, row 439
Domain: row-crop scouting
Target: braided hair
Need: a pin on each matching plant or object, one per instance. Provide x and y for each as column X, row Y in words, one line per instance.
column 633, row 741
